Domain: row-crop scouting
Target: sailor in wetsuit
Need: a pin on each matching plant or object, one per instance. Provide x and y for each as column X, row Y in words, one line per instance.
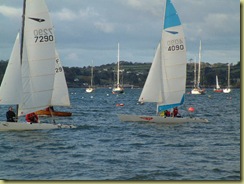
column 10, row 115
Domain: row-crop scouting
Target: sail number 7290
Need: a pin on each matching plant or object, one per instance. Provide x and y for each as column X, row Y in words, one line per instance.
column 43, row 35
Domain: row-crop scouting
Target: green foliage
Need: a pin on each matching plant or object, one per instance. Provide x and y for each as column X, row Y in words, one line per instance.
column 136, row 74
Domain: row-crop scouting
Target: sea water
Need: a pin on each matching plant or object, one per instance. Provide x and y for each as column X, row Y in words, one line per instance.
column 103, row 148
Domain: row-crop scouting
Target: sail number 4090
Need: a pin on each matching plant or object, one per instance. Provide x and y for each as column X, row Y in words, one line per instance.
column 175, row 45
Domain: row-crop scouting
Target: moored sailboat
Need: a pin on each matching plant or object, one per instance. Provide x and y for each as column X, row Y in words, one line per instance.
column 166, row 82
column 217, row 89
column 197, row 90
column 91, row 89
column 118, row 88
column 31, row 85
column 228, row 90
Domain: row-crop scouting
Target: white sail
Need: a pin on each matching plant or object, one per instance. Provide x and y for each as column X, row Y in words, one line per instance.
column 38, row 58
column 60, row 95
column 217, row 83
column 169, row 64
column 152, row 90
column 11, row 87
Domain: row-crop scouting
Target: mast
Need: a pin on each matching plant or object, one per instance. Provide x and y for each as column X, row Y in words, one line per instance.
column 199, row 64
column 228, row 75
column 22, row 32
column 118, row 68
column 92, row 74
column 195, row 73
column 21, row 44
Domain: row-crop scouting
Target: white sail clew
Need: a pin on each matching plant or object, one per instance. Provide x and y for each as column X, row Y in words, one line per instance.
column 166, row 80
column 11, row 87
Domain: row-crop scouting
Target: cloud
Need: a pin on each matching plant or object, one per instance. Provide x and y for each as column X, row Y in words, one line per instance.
column 66, row 14
column 104, row 26
column 148, row 6
column 10, row 11
column 91, row 29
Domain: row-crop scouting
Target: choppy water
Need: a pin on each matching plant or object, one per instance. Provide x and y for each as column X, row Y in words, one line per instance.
column 103, row 148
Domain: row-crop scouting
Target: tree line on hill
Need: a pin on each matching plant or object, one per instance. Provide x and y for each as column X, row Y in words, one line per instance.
column 135, row 74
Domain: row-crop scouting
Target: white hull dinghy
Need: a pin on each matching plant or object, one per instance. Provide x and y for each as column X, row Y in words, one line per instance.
column 18, row 126
column 160, row 119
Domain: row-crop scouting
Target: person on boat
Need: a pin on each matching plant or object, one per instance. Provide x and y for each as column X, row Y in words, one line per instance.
column 167, row 113
column 162, row 114
column 10, row 115
column 31, row 118
column 175, row 112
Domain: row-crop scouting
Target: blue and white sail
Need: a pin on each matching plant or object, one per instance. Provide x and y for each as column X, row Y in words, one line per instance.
column 166, row 81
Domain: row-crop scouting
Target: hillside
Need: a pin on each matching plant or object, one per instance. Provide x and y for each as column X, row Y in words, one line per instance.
column 136, row 73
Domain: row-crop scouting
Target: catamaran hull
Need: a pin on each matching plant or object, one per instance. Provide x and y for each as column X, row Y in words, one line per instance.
column 13, row 126
column 54, row 113
column 159, row 119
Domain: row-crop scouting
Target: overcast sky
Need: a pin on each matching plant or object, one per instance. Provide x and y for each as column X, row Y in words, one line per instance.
column 89, row 30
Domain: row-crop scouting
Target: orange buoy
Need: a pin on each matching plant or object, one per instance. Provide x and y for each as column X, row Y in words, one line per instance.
column 191, row 109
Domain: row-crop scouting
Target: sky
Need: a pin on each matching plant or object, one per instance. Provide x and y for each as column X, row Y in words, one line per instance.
column 90, row 30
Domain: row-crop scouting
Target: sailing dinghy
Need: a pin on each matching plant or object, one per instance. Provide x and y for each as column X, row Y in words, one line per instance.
column 166, row 81
column 217, row 89
column 30, row 74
